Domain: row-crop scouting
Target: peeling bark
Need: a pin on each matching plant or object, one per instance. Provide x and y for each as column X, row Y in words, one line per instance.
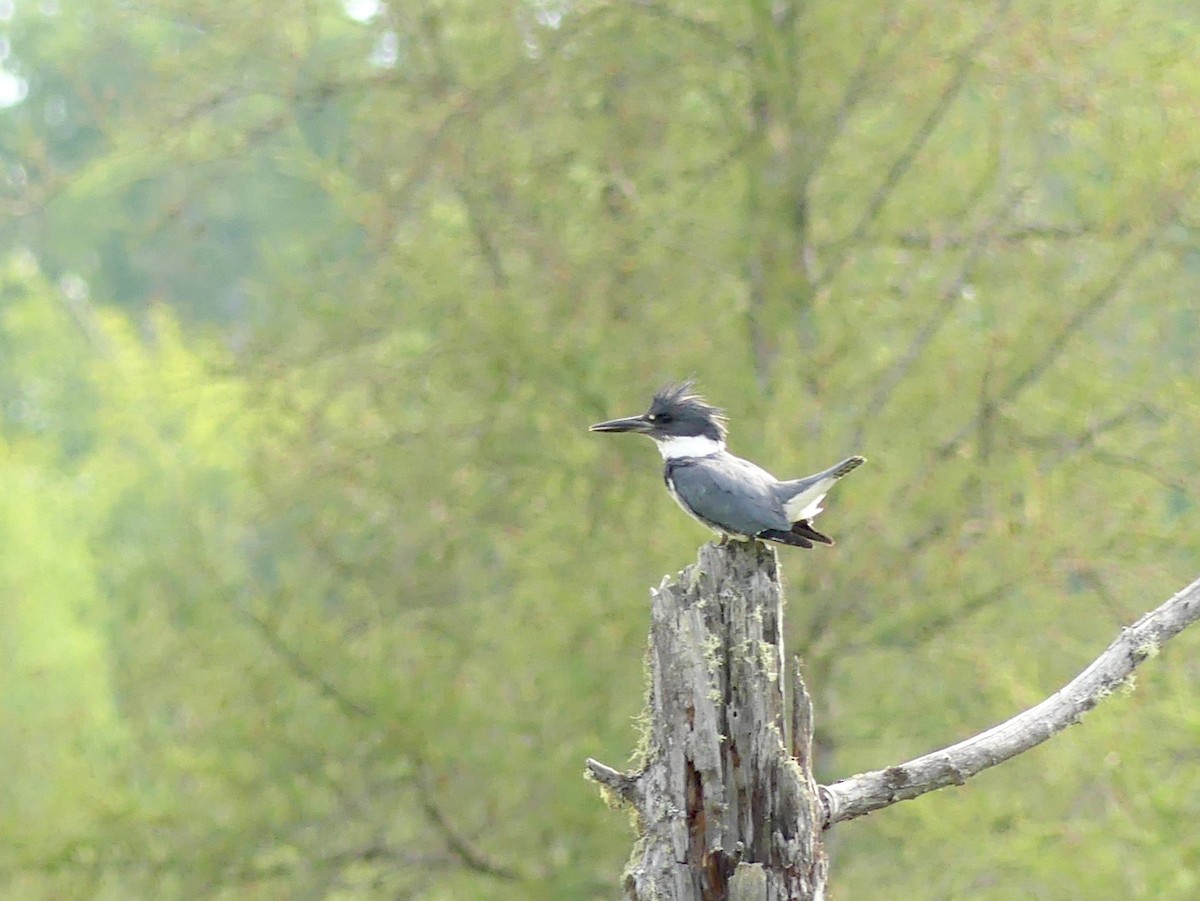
column 727, row 806
column 724, row 811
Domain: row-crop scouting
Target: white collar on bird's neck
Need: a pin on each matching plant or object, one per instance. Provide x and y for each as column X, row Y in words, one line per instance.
column 675, row 448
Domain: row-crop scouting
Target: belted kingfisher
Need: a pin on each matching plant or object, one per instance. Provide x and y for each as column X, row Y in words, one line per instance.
column 726, row 493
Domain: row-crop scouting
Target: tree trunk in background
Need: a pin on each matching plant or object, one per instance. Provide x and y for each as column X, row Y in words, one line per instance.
column 780, row 163
column 727, row 805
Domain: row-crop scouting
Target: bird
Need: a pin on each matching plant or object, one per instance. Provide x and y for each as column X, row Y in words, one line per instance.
column 729, row 495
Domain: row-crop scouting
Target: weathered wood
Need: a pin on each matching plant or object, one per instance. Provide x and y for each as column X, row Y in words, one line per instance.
column 728, row 809
column 724, row 811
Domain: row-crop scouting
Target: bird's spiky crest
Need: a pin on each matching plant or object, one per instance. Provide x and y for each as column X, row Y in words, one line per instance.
column 681, row 400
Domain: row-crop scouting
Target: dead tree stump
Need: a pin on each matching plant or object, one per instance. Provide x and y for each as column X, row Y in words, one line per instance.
column 726, row 802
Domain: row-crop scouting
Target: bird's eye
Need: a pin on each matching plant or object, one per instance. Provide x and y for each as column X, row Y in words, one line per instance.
column 663, row 417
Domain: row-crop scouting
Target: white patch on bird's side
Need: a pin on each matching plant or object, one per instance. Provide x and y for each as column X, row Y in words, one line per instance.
column 676, row 448
column 807, row 504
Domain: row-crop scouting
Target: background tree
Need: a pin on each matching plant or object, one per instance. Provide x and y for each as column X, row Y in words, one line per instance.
column 311, row 304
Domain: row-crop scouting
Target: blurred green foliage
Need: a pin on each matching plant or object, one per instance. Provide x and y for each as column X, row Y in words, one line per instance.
column 313, row 583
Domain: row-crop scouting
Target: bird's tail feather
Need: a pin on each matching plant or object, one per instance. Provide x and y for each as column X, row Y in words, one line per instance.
column 783, row 537
column 848, row 465
column 804, row 528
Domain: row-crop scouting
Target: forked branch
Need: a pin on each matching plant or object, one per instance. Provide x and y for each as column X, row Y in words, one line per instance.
column 872, row 791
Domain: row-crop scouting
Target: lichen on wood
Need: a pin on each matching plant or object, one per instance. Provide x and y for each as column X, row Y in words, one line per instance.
column 724, row 810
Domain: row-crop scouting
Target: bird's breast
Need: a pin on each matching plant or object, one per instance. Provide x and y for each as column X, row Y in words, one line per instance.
column 684, row 505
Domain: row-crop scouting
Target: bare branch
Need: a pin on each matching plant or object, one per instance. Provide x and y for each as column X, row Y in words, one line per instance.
column 706, row 30
column 458, row 847
column 467, row 855
column 623, row 785
column 869, row 65
column 1082, row 316
column 902, row 163
column 371, row 853
column 914, row 632
column 487, row 246
column 300, row 667
column 951, row 294
column 1064, row 446
column 928, row 240
column 1142, row 467
column 867, row 792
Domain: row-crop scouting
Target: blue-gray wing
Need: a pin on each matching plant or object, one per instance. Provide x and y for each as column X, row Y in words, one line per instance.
column 729, row 493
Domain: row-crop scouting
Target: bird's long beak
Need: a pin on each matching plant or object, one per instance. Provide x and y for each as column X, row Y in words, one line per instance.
column 629, row 424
